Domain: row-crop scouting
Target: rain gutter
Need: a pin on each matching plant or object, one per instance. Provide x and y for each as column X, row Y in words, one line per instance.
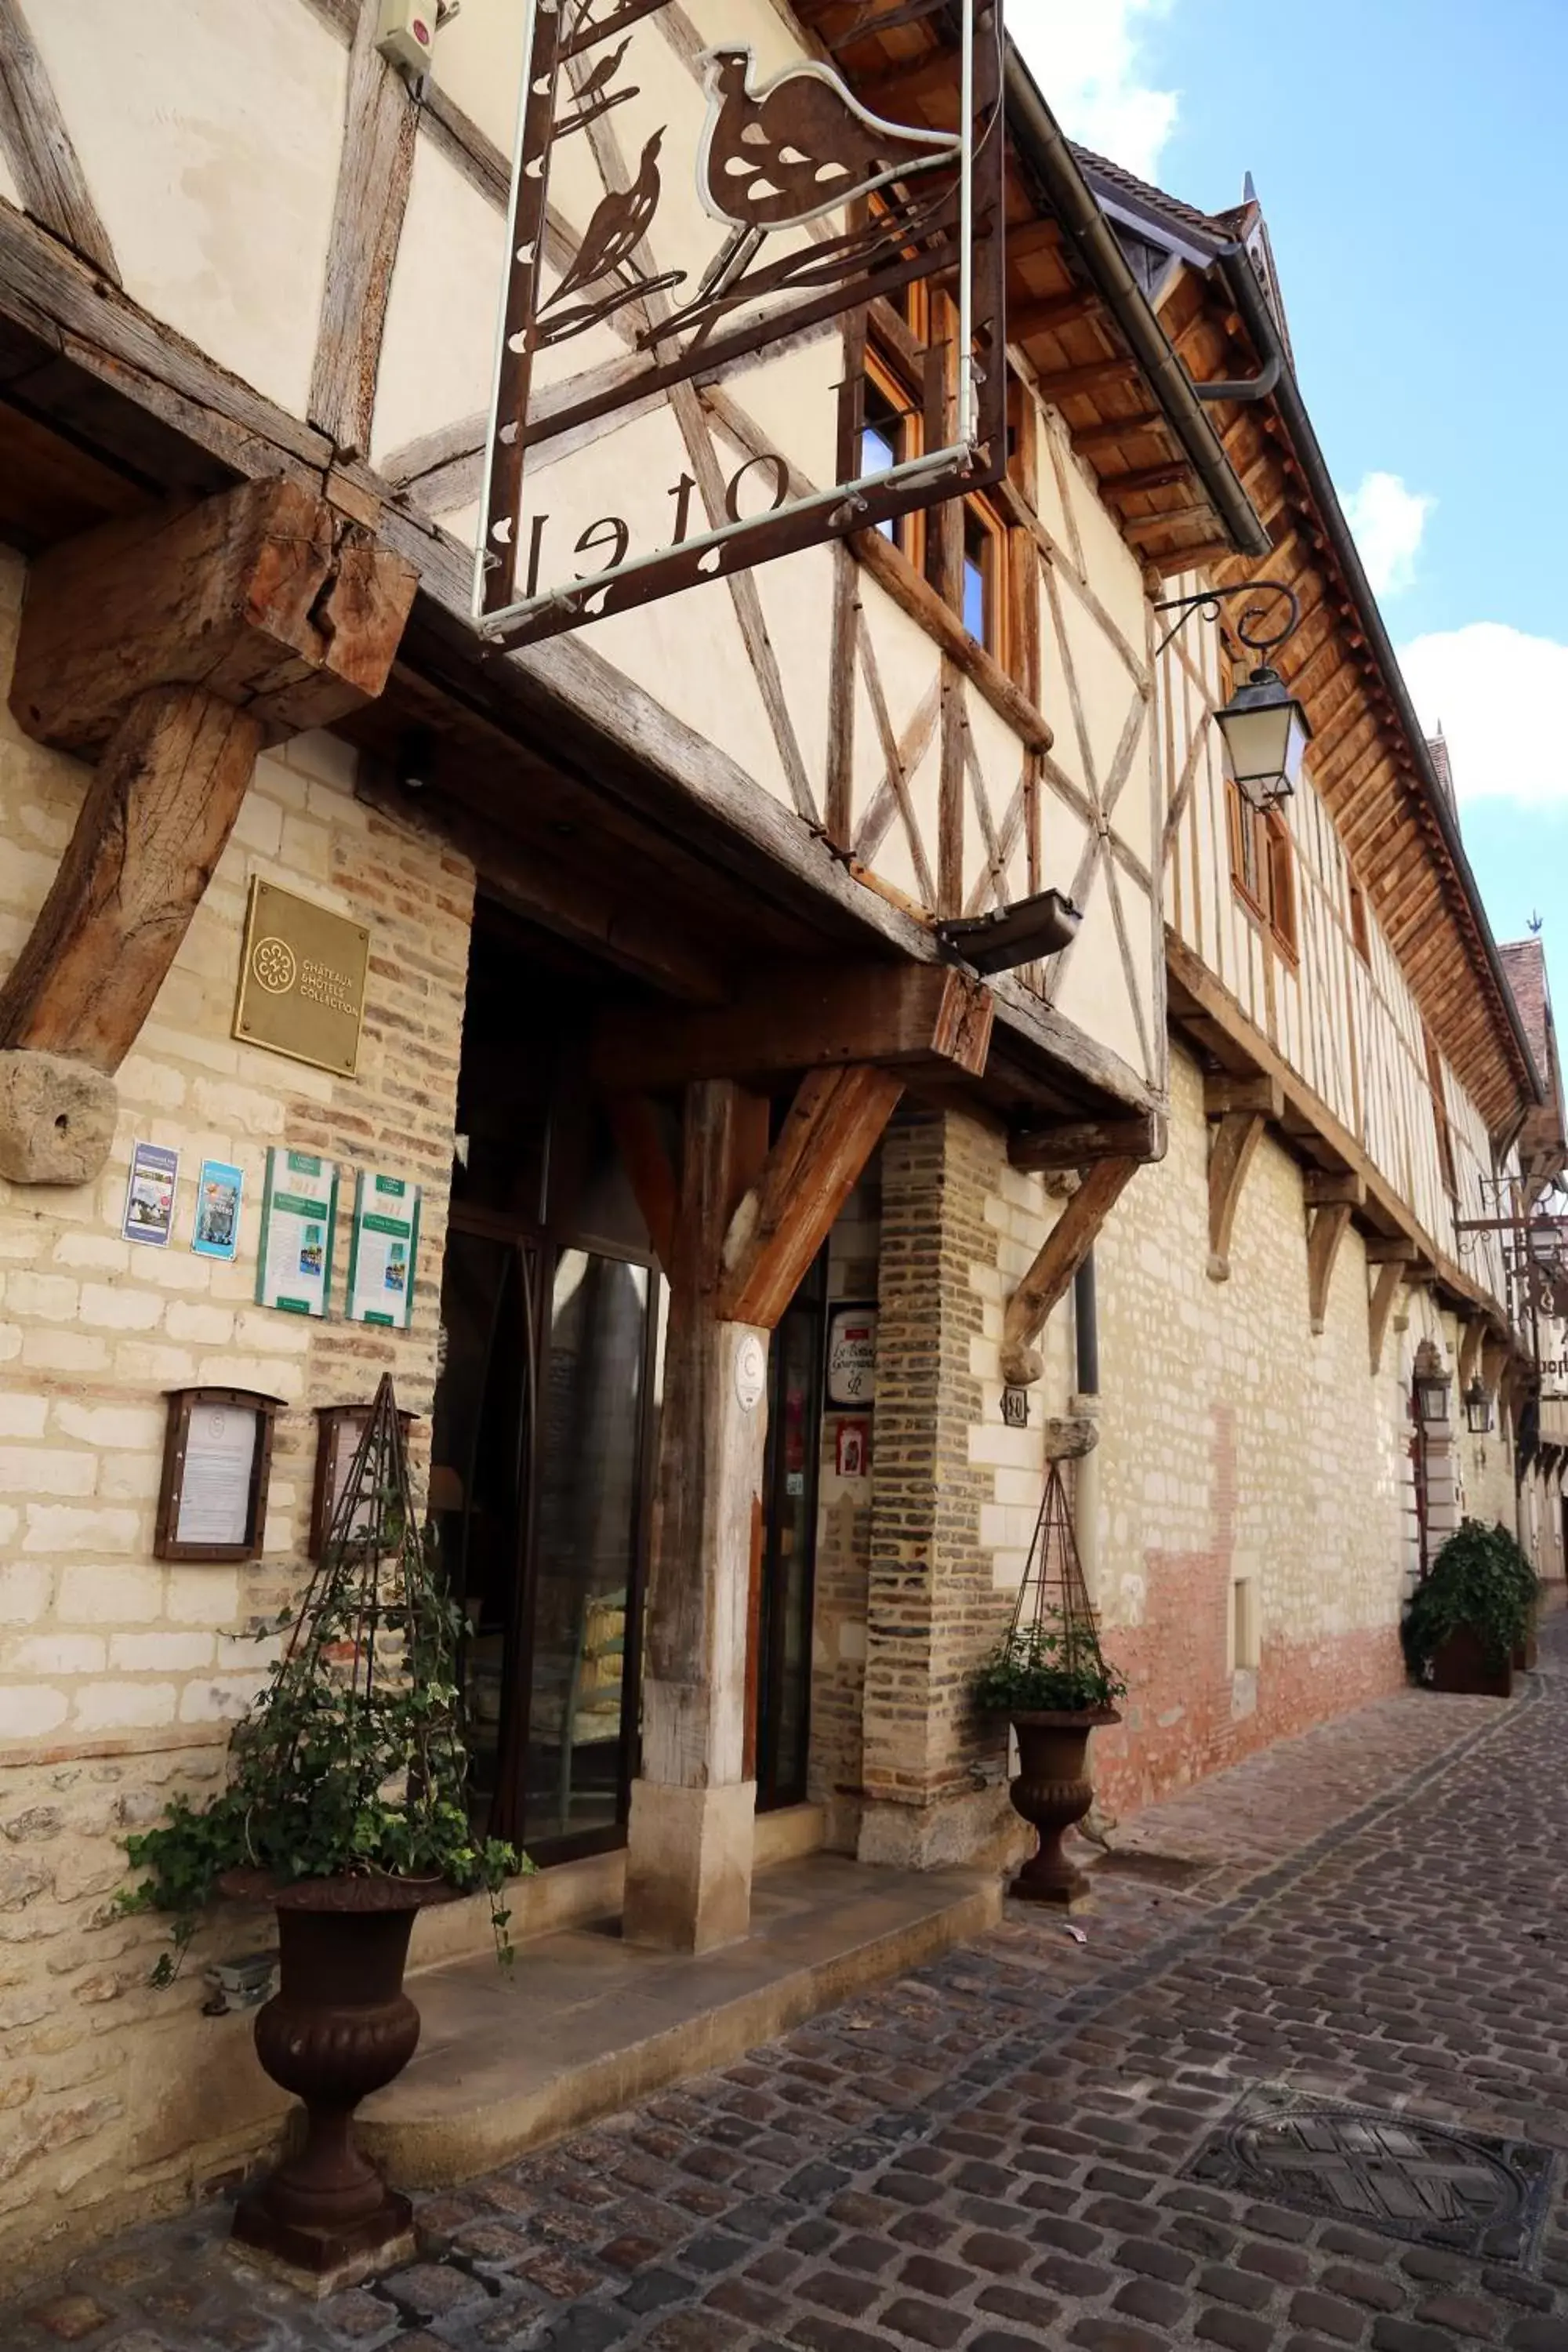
column 1045, row 151
column 1241, row 283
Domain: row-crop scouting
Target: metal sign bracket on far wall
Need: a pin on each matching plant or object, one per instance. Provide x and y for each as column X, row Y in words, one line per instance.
column 681, row 217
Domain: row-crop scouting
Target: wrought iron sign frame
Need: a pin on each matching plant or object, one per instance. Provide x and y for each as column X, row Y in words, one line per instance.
column 916, row 205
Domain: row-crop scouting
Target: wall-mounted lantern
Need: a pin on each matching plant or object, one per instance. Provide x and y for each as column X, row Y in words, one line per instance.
column 1431, row 1393
column 1266, row 730
column 1478, row 1408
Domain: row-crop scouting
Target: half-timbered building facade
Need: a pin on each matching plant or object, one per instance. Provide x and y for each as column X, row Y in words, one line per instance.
column 769, row 1234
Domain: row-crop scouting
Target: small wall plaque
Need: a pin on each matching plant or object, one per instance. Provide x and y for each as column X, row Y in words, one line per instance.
column 217, row 1452
column 852, row 1356
column 302, row 980
column 1015, row 1408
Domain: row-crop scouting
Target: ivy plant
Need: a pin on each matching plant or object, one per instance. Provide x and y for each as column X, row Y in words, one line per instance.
column 1480, row 1581
column 352, row 1761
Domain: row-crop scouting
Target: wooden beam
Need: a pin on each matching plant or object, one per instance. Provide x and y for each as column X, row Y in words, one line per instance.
column 1145, row 478
column 1380, row 1307
column 157, row 816
column 263, row 596
column 1328, row 1189
column 1046, row 314
column 1397, row 1250
column 1066, row 383
column 893, row 570
column 37, row 146
column 1327, row 1232
column 906, row 1017
column 374, row 169
column 1223, row 1094
column 1114, row 430
column 1470, row 1347
column 1232, row 1145
column 1077, row 1143
column 639, row 1138
column 830, row 1131
column 1056, row 1260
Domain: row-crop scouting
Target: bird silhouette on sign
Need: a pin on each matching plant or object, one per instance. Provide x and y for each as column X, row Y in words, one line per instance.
column 594, row 95
column 797, row 147
column 616, row 226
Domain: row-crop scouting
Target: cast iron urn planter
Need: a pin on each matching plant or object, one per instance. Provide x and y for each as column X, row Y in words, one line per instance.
column 1052, row 1792
column 338, row 2027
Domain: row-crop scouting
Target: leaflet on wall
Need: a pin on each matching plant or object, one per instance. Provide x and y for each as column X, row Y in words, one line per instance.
column 299, row 1210
column 218, row 1189
column 382, row 1253
column 150, row 1195
column 852, row 1356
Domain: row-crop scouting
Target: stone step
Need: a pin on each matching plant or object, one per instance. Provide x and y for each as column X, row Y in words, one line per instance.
column 582, row 2025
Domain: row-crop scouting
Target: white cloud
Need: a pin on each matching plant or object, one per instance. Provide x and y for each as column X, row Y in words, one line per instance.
column 1498, row 697
column 1388, row 521
column 1085, row 57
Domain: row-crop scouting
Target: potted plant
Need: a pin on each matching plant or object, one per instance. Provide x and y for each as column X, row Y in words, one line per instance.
column 1526, row 1651
column 1470, row 1614
column 346, row 1809
column 1050, row 1677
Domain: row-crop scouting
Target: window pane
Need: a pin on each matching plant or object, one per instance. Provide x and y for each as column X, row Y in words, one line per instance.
column 975, row 597
column 589, row 1462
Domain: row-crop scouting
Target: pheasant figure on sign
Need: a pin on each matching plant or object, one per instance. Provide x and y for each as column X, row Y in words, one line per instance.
column 799, row 146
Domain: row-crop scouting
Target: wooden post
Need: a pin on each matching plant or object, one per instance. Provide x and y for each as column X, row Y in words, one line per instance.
column 750, row 1222
column 689, row 1860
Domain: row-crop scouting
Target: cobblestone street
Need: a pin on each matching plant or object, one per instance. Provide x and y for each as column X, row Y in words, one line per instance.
column 1027, row 2143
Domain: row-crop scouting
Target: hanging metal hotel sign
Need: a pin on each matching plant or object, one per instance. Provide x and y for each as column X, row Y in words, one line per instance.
column 671, row 399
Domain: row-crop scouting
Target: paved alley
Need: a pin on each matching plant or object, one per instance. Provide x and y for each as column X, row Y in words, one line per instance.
column 1226, row 2118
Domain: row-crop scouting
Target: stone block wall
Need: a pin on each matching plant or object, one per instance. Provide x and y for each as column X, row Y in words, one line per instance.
column 120, row 1675
column 1252, row 1473
column 843, row 1550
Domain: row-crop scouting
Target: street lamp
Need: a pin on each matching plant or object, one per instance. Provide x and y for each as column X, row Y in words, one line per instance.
column 1478, row 1408
column 1266, row 735
column 1266, row 730
column 1432, row 1395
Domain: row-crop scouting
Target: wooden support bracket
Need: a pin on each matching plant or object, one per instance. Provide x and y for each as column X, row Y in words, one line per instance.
column 1471, row 1347
column 1077, row 1143
column 165, row 645
column 1065, row 1247
column 1325, row 1233
column 910, row 1017
column 830, row 1130
column 1394, row 1261
column 1233, row 1143
column 635, row 1124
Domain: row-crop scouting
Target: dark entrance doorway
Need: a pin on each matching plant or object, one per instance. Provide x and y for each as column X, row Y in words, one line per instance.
column 789, row 1544
column 542, row 1446
column 544, row 1424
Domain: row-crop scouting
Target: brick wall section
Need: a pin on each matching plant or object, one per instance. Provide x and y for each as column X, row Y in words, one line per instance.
column 120, row 1675
column 843, row 1552
column 934, row 1607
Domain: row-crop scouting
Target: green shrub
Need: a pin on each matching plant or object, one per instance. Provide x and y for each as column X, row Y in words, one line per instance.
column 1480, row 1580
column 1031, row 1673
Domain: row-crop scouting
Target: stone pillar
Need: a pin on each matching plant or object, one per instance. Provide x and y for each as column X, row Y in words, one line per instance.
column 931, row 1609
column 689, row 1858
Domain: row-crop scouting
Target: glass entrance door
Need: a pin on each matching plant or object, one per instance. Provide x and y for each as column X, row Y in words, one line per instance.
column 540, row 1442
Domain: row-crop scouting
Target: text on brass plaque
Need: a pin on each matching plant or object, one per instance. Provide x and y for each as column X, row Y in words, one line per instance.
column 302, row 980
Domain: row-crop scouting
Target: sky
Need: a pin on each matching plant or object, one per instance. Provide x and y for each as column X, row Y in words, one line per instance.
column 1410, row 159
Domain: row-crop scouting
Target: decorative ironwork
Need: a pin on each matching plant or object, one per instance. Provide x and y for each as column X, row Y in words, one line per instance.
column 1209, row 602
column 1430, row 2184
column 1053, row 1607
column 819, row 206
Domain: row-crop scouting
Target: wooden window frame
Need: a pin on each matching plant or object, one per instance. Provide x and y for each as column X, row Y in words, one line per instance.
column 881, row 368
column 1268, row 890
column 996, row 639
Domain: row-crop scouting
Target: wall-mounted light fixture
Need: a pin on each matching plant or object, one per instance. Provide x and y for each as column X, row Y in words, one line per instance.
column 1266, row 730
column 1432, row 1394
column 1478, row 1408
column 1012, row 935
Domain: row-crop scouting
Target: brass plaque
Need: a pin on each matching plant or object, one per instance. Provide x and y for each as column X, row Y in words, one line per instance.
column 302, row 980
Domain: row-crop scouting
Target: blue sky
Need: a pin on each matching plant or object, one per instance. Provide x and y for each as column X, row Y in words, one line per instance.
column 1410, row 158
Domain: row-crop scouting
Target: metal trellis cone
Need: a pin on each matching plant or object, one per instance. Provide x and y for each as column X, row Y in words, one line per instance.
column 1053, row 1602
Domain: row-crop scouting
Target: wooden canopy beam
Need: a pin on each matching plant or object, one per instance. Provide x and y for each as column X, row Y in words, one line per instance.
column 1391, row 1270
column 164, row 644
column 912, row 1017
column 830, row 1131
column 1060, row 1254
column 1077, row 1143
